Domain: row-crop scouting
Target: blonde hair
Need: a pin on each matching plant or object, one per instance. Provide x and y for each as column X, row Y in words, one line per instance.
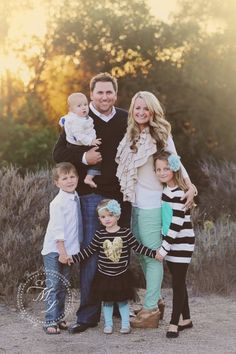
column 63, row 168
column 178, row 176
column 159, row 127
column 103, row 77
column 74, row 97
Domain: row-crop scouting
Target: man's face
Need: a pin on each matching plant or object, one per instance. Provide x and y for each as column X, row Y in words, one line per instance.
column 103, row 97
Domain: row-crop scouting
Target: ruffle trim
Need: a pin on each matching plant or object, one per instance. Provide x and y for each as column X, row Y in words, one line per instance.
column 129, row 162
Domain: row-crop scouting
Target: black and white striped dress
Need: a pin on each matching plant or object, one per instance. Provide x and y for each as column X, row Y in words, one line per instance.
column 177, row 230
column 113, row 280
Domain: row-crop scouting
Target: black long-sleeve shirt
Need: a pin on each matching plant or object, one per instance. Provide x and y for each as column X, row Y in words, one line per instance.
column 113, row 250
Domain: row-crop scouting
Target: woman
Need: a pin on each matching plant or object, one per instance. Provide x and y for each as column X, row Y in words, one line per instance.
column 148, row 132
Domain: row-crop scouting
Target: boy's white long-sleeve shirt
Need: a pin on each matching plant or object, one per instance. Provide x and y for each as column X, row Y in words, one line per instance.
column 63, row 224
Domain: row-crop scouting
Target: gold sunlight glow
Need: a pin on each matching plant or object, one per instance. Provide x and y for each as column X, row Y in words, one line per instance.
column 162, row 9
column 32, row 22
column 23, row 26
column 26, row 23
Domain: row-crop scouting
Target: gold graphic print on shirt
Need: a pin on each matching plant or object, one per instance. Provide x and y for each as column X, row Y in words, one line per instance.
column 113, row 249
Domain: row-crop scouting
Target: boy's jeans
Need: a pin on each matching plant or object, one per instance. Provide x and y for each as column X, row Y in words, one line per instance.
column 56, row 288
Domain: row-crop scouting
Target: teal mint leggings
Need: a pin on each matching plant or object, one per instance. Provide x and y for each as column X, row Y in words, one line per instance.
column 124, row 313
column 146, row 227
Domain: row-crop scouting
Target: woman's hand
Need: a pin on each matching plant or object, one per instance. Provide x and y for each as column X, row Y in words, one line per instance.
column 189, row 195
column 159, row 257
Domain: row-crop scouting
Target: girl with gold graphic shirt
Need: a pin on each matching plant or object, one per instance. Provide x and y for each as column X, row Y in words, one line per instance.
column 113, row 281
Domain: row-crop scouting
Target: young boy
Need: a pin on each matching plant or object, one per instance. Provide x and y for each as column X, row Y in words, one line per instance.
column 62, row 237
column 80, row 130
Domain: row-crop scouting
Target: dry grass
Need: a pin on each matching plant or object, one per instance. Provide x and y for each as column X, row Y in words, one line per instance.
column 213, row 266
column 24, row 216
column 23, row 219
column 218, row 193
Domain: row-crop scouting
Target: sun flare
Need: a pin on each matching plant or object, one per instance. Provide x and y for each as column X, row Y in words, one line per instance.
column 23, row 25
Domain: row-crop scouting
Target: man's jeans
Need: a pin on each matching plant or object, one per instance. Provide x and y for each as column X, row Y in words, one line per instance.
column 88, row 312
column 55, row 293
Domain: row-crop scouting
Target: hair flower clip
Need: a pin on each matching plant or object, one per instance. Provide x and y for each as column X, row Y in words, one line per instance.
column 113, row 207
column 174, row 162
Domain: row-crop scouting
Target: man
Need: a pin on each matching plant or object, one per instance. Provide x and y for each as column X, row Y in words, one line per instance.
column 110, row 125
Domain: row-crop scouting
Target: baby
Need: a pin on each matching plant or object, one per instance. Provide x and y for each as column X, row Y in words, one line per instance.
column 80, row 130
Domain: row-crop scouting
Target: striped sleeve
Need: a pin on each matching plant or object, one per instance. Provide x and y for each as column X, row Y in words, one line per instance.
column 139, row 248
column 88, row 251
column 176, row 224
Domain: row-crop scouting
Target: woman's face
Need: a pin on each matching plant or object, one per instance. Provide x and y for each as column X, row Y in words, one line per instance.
column 141, row 113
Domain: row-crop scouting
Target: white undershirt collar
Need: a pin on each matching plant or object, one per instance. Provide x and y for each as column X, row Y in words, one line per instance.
column 103, row 116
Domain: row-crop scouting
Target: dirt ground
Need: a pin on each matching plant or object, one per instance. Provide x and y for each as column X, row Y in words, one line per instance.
column 214, row 331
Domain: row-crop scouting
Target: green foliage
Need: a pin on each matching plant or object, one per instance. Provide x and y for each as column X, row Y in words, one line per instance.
column 189, row 64
column 24, row 145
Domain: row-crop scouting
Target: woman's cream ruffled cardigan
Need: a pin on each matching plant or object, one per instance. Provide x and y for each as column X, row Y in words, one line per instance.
column 129, row 162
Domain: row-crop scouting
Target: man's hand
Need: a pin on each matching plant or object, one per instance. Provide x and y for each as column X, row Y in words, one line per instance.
column 93, row 156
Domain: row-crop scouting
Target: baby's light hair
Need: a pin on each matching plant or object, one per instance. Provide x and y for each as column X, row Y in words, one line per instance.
column 62, row 168
column 110, row 205
column 178, row 176
column 75, row 97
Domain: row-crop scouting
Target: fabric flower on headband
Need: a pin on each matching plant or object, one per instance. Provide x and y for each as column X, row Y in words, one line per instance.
column 113, row 207
column 174, row 162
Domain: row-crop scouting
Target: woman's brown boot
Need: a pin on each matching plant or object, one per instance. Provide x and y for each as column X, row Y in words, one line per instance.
column 161, row 305
column 146, row 319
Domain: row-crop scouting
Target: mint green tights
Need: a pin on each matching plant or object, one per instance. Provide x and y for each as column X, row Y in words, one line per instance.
column 146, row 227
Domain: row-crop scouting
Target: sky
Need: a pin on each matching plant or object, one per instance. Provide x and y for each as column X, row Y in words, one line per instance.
column 162, row 8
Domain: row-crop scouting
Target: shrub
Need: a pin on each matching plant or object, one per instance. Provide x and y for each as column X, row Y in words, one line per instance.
column 24, row 215
column 218, row 194
column 213, row 265
column 23, row 218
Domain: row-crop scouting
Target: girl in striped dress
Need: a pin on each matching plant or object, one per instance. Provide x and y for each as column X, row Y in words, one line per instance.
column 113, row 281
column 178, row 237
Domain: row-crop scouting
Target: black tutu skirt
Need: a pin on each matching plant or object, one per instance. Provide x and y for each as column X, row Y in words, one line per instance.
column 113, row 288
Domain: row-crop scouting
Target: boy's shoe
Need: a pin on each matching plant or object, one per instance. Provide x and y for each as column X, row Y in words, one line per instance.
column 51, row 330
column 63, row 325
column 108, row 330
column 125, row 330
